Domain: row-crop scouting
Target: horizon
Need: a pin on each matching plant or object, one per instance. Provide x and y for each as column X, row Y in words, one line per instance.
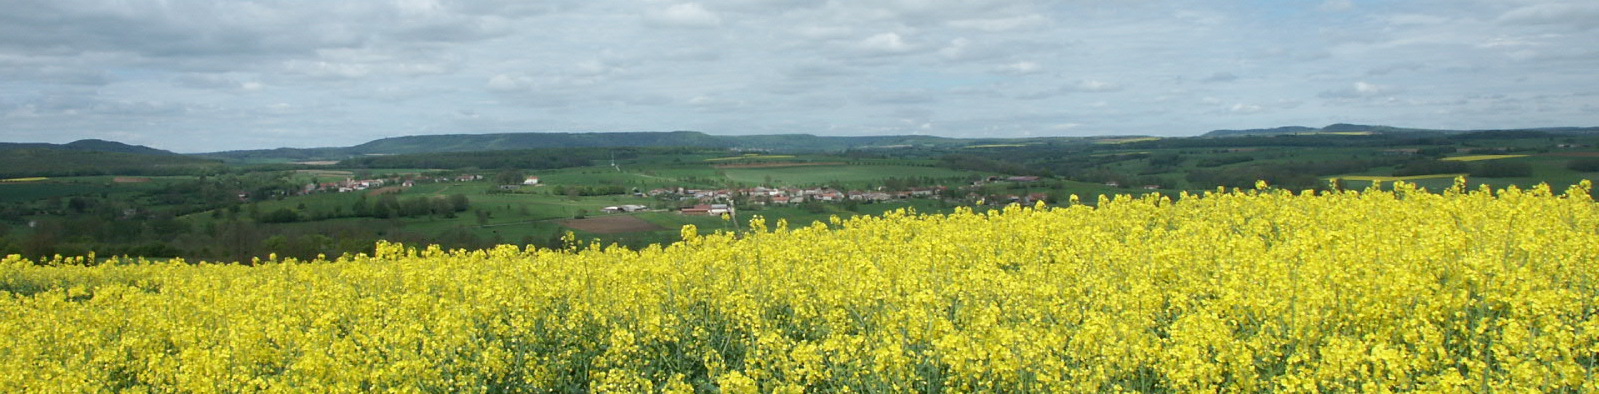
column 205, row 76
column 774, row 134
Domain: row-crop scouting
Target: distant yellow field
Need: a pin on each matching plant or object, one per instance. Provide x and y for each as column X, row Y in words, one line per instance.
column 751, row 156
column 31, row 179
column 325, row 172
column 1481, row 157
column 1379, row 178
column 1111, row 141
column 996, row 146
column 1119, row 154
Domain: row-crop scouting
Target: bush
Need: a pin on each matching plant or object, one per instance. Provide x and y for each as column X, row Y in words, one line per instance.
column 1502, row 169
column 1584, row 165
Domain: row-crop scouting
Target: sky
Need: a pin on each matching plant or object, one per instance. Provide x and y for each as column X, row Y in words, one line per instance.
column 212, row 75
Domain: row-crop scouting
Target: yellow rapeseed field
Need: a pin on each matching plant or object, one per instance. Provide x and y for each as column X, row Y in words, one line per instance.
column 1486, row 290
column 1481, row 157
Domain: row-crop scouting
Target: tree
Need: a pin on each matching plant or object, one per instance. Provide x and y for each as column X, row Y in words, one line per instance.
column 1584, row 165
column 1502, row 169
column 459, row 202
column 510, row 177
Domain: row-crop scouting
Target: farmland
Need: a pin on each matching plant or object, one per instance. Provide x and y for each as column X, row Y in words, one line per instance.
column 1247, row 290
column 333, row 209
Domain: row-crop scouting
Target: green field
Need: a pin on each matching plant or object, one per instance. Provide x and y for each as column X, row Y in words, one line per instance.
column 837, row 174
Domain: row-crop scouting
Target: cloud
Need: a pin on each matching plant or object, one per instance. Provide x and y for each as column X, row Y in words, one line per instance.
column 1241, row 108
column 1093, row 85
column 1220, row 77
column 1020, row 68
column 509, row 83
column 1001, row 24
column 885, row 44
column 1081, row 86
column 1335, row 5
column 1360, row 89
column 1582, row 15
column 175, row 70
column 685, row 15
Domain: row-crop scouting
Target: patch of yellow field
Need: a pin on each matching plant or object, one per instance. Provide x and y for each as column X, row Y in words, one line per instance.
column 1380, row 178
column 1120, row 154
column 751, row 156
column 996, row 146
column 1113, row 141
column 1481, row 157
column 29, row 179
column 325, row 172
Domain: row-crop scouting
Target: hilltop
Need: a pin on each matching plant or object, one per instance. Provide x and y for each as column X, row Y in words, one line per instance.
column 95, row 157
column 1357, row 129
column 448, row 143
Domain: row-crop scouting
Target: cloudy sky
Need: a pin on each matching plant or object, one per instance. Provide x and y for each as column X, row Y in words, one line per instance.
column 208, row 75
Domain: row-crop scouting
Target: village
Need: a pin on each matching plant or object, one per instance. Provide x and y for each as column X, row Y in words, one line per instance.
column 714, row 202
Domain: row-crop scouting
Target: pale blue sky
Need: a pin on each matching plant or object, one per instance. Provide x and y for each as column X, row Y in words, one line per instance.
column 195, row 75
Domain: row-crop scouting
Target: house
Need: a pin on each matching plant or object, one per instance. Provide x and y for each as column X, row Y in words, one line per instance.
column 531, row 181
column 1113, row 184
column 700, row 209
column 1022, row 179
column 1151, row 187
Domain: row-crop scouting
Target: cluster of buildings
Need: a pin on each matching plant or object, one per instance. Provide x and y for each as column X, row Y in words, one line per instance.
column 352, row 184
column 781, row 196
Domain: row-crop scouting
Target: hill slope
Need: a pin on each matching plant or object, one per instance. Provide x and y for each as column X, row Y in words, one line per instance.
column 62, row 161
column 89, row 145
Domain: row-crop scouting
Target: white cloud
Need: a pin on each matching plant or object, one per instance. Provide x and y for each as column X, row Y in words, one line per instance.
column 1093, row 85
column 175, row 70
column 1360, row 90
column 1020, row 68
column 1584, row 14
column 1001, row 24
column 509, row 83
column 1336, row 5
column 885, row 43
column 685, row 15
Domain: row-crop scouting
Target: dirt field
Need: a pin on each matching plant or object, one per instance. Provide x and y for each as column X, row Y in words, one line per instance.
column 776, row 165
column 383, row 190
column 612, row 225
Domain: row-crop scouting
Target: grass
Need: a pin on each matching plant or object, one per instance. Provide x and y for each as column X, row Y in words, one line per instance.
column 843, row 175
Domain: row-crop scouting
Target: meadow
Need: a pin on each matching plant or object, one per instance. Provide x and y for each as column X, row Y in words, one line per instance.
column 1467, row 290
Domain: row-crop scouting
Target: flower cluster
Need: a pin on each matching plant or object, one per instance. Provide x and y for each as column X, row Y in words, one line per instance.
column 1259, row 290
